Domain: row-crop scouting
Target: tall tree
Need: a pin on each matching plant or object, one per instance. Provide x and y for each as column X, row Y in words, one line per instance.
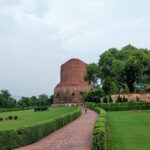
column 118, row 68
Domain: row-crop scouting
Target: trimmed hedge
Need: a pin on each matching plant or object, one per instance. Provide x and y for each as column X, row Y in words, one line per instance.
column 99, row 133
column 121, row 106
column 12, row 109
column 41, row 108
column 10, row 139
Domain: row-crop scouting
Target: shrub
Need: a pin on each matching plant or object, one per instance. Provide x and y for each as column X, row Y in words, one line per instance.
column 41, row 108
column 1, row 119
column 99, row 132
column 11, row 139
column 121, row 106
column 105, row 99
column 12, row 109
column 119, row 99
column 15, row 117
column 10, row 117
column 94, row 95
column 110, row 99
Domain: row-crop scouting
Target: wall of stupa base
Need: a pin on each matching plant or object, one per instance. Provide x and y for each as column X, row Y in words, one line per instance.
column 133, row 96
column 70, row 94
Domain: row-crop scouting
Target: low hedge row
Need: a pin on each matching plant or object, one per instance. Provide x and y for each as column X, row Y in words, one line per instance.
column 99, row 132
column 12, row 109
column 10, row 139
column 121, row 106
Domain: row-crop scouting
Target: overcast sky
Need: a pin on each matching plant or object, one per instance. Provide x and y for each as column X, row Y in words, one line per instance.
column 37, row 36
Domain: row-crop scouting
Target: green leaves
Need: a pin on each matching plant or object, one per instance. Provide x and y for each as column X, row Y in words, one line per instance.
column 116, row 68
column 92, row 74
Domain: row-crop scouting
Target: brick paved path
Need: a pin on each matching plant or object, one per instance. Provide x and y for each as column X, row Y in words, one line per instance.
column 75, row 136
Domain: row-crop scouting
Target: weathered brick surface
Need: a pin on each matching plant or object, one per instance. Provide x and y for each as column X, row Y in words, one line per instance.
column 72, row 85
column 133, row 96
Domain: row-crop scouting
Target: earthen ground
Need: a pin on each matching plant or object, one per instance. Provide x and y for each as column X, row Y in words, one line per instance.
column 75, row 136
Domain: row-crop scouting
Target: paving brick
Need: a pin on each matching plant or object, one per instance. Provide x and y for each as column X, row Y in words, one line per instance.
column 75, row 136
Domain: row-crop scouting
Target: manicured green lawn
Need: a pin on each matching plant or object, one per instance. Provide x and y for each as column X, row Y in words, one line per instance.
column 128, row 130
column 29, row 117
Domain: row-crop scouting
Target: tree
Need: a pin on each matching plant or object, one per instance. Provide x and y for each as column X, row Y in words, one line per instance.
column 43, row 100
column 126, row 88
column 6, row 100
column 92, row 75
column 110, row 99
column 94, row 95
column 118, row 68
column 105, row 99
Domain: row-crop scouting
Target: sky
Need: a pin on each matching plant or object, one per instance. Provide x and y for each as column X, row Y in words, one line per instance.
column 37, row 36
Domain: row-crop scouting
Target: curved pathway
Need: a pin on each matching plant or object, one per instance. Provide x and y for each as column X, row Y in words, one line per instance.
column 77, row 135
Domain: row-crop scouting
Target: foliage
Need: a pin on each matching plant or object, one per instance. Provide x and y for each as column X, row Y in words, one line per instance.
column 10, row 139
column 15, row 117
column 105, row 99
column 41, row 108
column 126, row 89
column 92, row 74
column 118, row 68
column 99, row 132
column 41, row 100
column 126, row 106
column 6, row 101
column 110, row 99
column 10, row 117
column 94, row 95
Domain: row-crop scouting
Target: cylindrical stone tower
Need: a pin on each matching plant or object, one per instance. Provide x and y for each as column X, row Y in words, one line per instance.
column 72, row 85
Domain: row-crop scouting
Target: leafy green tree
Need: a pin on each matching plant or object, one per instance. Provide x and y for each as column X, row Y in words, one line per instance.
column 92, row 74
column 126, row 88
column 110, row 99
column 105, row 99
column 6, row 100
column 116, row 68
column 94, row 95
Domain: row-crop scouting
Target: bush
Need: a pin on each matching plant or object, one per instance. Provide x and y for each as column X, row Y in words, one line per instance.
column 41, row 108
column 94, row 95
column 126, row 106
column 10, row 117
column 110, row 99
column 99, row 132
column 11, row 139
column 15, row 117
column 1, row 119
column 12, row 109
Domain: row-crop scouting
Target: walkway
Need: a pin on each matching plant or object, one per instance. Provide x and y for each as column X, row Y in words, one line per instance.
column 75, row 136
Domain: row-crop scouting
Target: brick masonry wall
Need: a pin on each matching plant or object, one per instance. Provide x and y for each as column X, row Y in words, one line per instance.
column 72, row 85
column 133, row 96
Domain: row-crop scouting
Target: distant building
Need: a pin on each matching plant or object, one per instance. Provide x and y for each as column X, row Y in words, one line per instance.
column 72, row 85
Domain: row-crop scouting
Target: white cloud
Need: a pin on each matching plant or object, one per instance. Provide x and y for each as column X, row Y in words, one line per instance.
column 37, row 36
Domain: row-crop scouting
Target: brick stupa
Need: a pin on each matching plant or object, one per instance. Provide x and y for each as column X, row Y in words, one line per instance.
column 72, row 85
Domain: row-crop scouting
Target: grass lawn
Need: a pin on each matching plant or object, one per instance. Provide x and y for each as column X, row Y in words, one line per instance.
column 128, row 130
column 29, row 117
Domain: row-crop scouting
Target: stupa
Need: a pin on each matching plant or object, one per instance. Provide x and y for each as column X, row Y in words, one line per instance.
column 72, row 86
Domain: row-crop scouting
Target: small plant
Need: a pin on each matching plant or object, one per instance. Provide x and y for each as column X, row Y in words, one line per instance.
column 15, row 117
column 110, row 99
column 105, row 99
column 1, row 119
column 10, row 117
column 6, row 118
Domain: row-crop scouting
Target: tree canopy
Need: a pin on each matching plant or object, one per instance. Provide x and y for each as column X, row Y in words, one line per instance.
column 7, row 101
column 121, row 69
